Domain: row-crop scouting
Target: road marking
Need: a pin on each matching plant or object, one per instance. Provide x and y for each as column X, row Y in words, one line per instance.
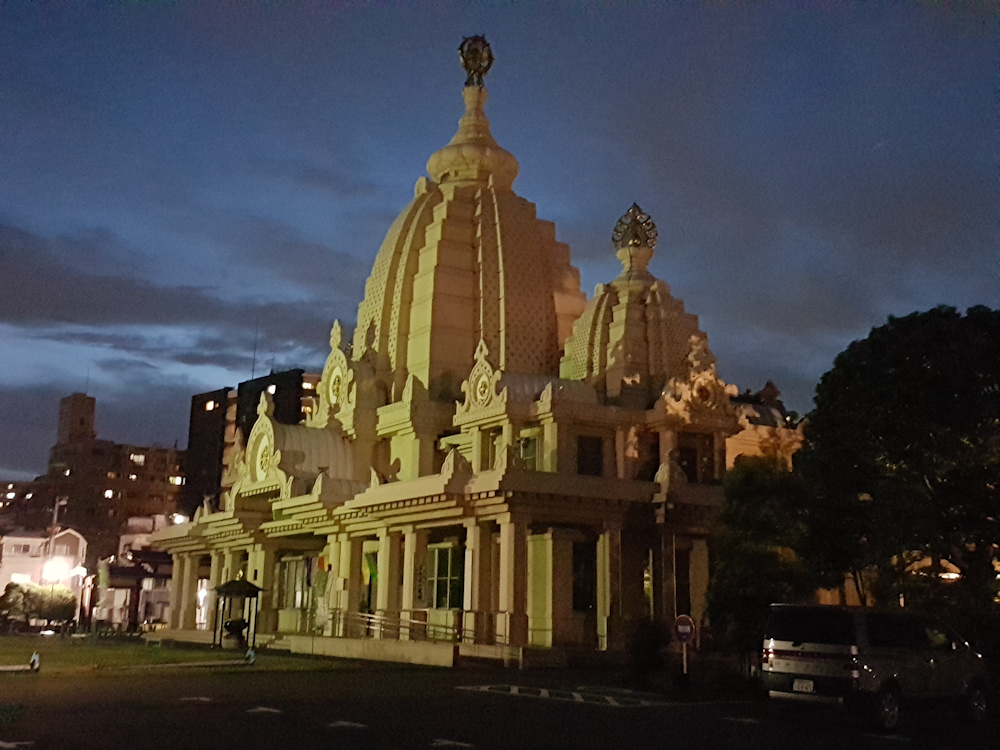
column 263, row 710
column 890, row 737
column 741, row 719
column 196, row 699
column 450, row 743
column 347, row 725
column 11, row 745
column 620, row 700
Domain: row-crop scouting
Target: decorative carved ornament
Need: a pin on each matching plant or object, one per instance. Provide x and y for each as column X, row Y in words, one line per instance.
column 477, row 59
column 481, row 388
column 336, row 386
column 700, row 395
column 634, row 229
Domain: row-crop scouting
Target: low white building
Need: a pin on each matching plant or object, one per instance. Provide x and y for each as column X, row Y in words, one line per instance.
column 40, row 558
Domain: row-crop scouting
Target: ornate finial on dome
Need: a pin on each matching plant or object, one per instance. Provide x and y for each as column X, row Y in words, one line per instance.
column 473, row 155
column 634, row 229
column 477, row 59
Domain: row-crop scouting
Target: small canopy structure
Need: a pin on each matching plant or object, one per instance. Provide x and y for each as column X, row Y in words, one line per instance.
column 227, row 596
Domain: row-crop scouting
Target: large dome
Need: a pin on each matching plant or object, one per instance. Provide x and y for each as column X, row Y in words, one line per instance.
column 466, row 260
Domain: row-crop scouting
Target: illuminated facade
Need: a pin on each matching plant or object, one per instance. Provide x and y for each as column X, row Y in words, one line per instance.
column 496, row 461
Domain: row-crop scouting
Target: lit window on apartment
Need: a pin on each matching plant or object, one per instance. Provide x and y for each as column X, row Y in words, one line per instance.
column 139, row 459
column 11, row 495
column 109, row 494
column 271, row 389
column 307, row 409
column 112, row 475
column 209, row 405
column 177, row 480
column 133, row 477
column 67, row 472
column 10, row 486
column 29, row 496
column 308, row 386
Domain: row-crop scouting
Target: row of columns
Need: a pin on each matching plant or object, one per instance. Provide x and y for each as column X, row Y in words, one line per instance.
column 491, row 609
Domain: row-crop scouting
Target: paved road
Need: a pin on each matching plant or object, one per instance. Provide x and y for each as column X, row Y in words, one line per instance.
column 377, row 706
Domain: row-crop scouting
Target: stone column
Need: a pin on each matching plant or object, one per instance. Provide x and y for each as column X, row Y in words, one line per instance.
column 476, row 618
column 387, row 591
column 176, row 590
column 332, row 590
column 227, row 573
column 609, row 590
column 699, row 583
column 261, row 573
column 549, row 459
column 349, row 581
column 664, row 585
column 512, row 619
column 215, row 578
column 189, row 592
column 414, row 595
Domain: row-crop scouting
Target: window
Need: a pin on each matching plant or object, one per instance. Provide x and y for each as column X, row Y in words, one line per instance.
column 590, row 456
column 209, row 405
column 177, row 480
column 109, row 494
column 527, row 449
column 491, row 445
column 20, row 549
column 272, row 389
column 67, row 472
column 133, row 477
column 446, row 568
column 29, row 496
column 306, row 385
column 696, row 456
column 139, row 459
column 11, row 495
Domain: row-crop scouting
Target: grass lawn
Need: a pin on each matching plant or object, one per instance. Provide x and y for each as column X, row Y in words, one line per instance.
column 107, row 655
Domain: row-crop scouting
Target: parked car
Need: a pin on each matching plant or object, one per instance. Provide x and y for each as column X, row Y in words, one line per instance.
column 869, row 660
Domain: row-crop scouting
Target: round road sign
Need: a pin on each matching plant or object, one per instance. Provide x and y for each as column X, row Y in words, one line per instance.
column 684, row 629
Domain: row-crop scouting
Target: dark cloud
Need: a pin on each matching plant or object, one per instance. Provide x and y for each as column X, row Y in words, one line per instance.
column 31, row 414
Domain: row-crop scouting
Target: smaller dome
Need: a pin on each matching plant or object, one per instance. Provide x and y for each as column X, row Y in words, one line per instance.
column 473, row 155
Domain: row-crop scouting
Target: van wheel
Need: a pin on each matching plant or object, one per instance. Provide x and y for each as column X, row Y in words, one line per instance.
column 976, row 705
column 886, row 714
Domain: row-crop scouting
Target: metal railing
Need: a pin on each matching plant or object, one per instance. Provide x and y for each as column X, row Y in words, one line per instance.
column 365, row 625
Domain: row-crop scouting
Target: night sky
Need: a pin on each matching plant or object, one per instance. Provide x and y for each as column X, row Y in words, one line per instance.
column 180, row 179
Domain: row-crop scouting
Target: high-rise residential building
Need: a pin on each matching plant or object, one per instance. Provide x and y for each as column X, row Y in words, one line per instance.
column 95, row 485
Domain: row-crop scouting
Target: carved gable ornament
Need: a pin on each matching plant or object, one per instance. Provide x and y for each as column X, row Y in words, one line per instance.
column 481, row 388
column 700, row 395
column 258, row 468
column 336, row 386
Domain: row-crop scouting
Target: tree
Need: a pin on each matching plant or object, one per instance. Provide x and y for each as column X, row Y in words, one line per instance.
column 903, row 451
column 12, row 604
column 753, row 558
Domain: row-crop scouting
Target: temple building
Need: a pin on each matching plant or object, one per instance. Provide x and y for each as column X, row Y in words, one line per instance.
column 497, row 462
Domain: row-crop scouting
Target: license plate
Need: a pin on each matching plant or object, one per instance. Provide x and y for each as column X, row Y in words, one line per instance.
column 802, row 686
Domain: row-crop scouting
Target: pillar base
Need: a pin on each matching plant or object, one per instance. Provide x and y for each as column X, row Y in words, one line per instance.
column 477, row 627
column 610, row 634
column 387, row 627
column 512, row 628
column 413, row 625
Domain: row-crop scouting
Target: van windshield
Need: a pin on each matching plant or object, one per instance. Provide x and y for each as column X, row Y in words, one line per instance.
column 811, row 625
